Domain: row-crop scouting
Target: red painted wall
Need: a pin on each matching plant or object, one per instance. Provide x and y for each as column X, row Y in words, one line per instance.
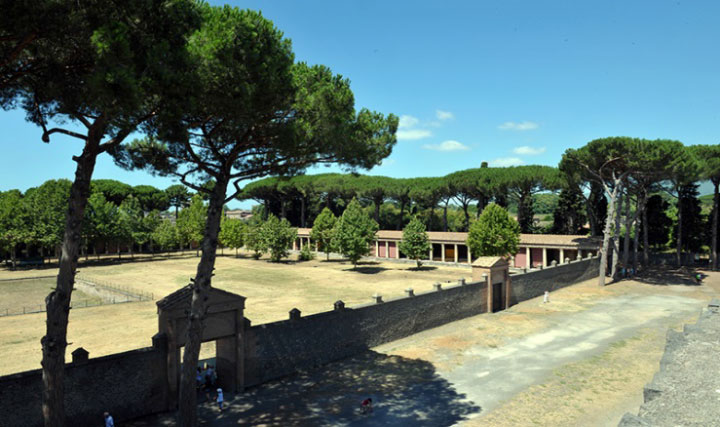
column 536, row 256
column 393, row 250
column 520, row 258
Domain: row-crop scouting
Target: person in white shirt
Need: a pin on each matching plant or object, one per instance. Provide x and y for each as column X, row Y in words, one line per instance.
column 220, row 399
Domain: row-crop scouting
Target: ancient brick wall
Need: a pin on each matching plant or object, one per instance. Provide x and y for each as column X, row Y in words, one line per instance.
column 281, row 348
column 534, row 283
column 128, row 385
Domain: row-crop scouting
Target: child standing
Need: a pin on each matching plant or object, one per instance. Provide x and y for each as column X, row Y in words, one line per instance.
column 220, row 399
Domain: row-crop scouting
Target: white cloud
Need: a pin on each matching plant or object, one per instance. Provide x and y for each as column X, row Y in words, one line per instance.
column 447, row 146
column 518, row 126
column 412, row 134
column 444, row 115
column 506, row 161
column 526, row 150
column 407, row 121
column 387, row 162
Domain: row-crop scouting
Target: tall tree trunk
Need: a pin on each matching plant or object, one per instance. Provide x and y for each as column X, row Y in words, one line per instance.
column 201, row 284
column 466, row 226
column 302, row 212
column 591, row 218
column 377, row 212
column 402, row 214
column 679, row 230
column 646, row 239
column 13, row 255
column 606, row 240
column 714, row 234
column 616, row 238
column 283, row 209
column 445, row 224
column 57, row 303
column 628, row 225
column 176, row 212
column 639, row 208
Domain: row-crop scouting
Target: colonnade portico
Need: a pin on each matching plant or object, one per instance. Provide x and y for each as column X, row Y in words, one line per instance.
column 534, row 250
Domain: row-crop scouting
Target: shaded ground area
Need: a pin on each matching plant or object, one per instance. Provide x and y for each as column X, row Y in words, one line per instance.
column 404, row 391
column 581, row 359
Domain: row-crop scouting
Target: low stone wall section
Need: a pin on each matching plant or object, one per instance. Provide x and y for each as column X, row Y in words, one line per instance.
column 281, row 348
column 128, row 385
column 686, row 389
column 534, row 283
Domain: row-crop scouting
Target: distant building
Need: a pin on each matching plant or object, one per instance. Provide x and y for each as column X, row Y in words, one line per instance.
column 534, row 250
column 238, row 214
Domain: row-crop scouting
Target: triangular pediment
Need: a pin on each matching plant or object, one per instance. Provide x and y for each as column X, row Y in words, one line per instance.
column 182, row 298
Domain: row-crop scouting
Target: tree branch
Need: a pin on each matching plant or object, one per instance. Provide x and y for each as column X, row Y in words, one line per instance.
column 47, row 133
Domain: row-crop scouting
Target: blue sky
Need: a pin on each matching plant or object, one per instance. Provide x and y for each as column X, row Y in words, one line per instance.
column 508, row 82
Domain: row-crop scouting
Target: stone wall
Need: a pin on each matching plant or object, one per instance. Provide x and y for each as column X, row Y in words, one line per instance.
column 128, row 385
column 281, row 348
column 685, row 389
column 277, row 349
column 534, row 283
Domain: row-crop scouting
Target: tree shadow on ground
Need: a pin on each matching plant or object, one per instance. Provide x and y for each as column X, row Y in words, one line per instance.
column 405, row 392
column 366, row 270
column 668, row 276
column 112, row 259
column 423, row 268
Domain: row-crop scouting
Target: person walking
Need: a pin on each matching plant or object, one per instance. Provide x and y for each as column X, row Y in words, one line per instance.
column 109, row 422
column 220, row 399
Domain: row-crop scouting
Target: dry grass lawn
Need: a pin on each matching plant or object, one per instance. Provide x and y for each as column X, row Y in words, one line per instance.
column 272, row 290
column 16, row 295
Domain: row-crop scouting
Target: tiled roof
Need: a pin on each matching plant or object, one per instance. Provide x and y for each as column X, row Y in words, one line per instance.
column 567, row 241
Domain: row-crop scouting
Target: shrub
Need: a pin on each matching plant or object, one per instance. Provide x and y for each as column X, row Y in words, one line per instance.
column 306, row 254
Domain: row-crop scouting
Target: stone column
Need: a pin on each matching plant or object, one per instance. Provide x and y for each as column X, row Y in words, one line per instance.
column 430, row 253
column 387, row 249
column 397, row 250
column 544, row 264
column 527, row 257
column 377, row 248
column 469, row 255
column 456, row 253
column 562, row 255
column 580, row 253
column 442, row 252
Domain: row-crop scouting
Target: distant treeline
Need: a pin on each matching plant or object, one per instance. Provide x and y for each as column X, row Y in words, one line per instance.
column 446, row 203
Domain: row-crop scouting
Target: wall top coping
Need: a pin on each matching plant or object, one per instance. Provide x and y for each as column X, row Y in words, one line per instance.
column 183, row 297
column 490, row 261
